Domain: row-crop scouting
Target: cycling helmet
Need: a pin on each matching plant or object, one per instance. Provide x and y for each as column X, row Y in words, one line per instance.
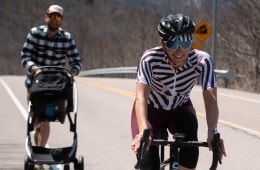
column 174, row 25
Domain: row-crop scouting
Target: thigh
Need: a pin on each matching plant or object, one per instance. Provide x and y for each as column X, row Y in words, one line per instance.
column 184, row 120
column 156, row 119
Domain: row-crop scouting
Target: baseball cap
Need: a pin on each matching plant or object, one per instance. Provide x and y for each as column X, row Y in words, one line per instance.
column 55, row 8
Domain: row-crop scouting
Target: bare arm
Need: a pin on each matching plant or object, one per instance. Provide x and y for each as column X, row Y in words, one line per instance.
column 142, row 93
column 212, row 115
column 211, row 106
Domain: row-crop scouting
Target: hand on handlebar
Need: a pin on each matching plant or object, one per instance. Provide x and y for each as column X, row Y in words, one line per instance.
column 141, row 138
column 140, row 145
column 216, row 145
column 221, row 144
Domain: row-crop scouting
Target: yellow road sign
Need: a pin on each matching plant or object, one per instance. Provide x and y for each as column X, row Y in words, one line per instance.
column 203, row 31
column 196, row 45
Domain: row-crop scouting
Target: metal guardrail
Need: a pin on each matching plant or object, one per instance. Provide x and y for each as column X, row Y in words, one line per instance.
column 123, row 72
column 226, row 75
column 130, row 72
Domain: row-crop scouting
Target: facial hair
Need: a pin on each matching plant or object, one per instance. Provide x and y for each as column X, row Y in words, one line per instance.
column 53, row 26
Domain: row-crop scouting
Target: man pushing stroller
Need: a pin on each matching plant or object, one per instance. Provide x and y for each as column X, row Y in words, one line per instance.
column 49, row 45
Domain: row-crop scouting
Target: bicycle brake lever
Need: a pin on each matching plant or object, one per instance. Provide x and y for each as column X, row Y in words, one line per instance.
column 142, row 149
column 144, row 142
column 216, row 151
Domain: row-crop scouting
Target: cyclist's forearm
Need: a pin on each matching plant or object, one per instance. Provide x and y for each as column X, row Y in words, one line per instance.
column 142, row 93
column 211, row 107
column 141, row 114
column 212, row 115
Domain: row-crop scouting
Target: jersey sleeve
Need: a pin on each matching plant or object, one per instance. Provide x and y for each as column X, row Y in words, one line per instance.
column 144, row 71
column 208, row 76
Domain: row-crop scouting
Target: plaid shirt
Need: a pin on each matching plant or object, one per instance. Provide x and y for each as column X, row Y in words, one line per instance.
column 41, row 50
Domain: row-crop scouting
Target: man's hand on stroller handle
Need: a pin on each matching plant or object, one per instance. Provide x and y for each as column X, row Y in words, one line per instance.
column 35, row 69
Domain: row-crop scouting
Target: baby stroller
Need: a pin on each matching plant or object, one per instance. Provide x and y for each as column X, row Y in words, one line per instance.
column 52, row 91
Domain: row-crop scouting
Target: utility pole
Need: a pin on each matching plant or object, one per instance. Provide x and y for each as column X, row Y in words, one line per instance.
column 214, row 38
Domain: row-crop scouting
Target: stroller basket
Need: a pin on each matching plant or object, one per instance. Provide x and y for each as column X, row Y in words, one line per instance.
column 49, row 95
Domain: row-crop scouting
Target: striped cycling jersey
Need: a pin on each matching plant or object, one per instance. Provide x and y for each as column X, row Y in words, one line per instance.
column 170, row 87
column 41, row 50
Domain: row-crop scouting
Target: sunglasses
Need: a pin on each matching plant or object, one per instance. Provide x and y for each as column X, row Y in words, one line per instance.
column 173, row 45
column 53, row 16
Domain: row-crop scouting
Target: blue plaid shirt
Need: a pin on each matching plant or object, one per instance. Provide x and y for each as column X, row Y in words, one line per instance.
column 41, row 50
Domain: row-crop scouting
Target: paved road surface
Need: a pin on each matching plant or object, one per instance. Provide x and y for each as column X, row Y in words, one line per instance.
column 104, row 126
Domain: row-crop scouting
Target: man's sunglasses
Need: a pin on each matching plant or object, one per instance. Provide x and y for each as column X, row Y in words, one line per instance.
column 53, row 16
column 173, row 45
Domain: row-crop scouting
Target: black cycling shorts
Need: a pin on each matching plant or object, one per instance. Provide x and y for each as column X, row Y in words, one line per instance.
column 180, row 120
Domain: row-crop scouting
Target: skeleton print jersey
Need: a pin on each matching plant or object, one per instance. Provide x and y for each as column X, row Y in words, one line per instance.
column 170, row 87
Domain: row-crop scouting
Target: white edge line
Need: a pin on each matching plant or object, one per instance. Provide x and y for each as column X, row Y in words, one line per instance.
column 15, row 100
column 241, row 98
column 232, row 96
column 235, row 126
column 22, row 110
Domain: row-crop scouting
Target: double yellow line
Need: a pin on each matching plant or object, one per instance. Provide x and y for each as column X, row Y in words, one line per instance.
column 132, row 95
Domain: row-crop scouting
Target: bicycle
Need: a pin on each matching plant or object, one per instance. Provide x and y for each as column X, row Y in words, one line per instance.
column 175, row 145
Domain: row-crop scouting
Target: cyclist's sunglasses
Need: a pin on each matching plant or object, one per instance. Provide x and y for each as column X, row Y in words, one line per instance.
column 53, row 16
column 173, row 45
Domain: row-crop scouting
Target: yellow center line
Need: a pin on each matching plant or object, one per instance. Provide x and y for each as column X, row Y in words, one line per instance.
column 132, row 95
column 109, row 88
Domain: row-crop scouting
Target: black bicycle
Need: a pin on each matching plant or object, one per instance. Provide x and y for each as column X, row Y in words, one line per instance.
column 175, row 145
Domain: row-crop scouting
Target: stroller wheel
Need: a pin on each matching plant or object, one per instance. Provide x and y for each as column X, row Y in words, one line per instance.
column 66, row 167
column 28, row 165
column 81, row 163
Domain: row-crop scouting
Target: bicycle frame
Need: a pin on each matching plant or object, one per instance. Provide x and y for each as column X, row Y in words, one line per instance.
column 175, row 145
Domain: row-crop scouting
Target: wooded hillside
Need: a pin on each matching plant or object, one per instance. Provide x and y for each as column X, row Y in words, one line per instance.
column 115, row 33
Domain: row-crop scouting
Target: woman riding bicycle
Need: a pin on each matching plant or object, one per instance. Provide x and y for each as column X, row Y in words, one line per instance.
column 165, row 78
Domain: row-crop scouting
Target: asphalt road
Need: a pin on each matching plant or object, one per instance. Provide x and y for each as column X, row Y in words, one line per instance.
column 104, row 125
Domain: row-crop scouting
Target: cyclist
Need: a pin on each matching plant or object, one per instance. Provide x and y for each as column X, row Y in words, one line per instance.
column 48, row 45
column 165, row 78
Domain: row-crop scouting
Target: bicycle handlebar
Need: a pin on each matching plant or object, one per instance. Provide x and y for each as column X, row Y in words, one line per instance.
column 179, row 144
